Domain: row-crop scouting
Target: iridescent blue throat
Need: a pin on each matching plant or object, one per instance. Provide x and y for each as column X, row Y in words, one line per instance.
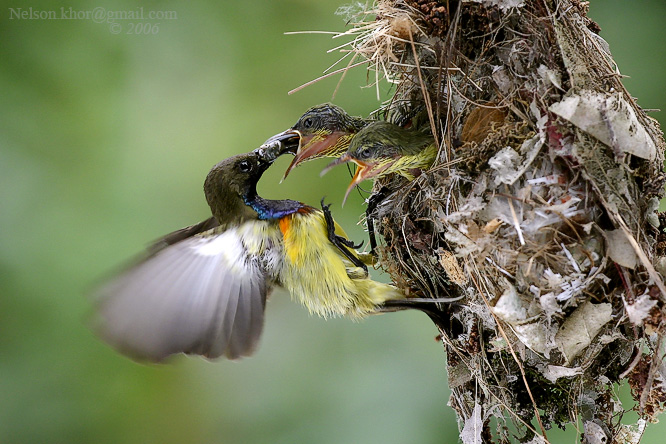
column 273, row 209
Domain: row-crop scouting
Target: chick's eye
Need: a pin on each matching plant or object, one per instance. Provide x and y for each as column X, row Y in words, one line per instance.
column 365, row 153
column 307, row 123
column 245, row 166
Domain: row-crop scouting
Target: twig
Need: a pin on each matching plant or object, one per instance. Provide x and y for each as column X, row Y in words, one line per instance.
column 515, row 357
column 426, row 95
column 337, row 71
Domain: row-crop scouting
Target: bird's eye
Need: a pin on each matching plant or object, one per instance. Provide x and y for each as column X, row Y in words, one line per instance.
column 307, row 123
column 365, row 154
column 245, row 166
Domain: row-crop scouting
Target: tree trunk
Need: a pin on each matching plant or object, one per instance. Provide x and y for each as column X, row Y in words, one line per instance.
column 540, row 212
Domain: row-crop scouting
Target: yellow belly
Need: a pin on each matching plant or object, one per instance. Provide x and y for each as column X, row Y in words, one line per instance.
column 317, row 274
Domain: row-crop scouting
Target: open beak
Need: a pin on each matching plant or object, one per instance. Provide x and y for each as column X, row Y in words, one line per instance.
column 340, row 160
column 364, row 170
column 313, row 146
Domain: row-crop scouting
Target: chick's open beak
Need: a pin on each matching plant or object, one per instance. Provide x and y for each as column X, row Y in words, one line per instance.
column 346, row 157
column 364, row 170
column 319, row 144
column 301, row 152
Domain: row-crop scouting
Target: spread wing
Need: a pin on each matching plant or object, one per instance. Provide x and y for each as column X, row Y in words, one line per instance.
column 182, row 234
column 203, row 295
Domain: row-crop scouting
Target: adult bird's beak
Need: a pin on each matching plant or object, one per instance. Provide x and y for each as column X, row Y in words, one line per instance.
column 279, row 144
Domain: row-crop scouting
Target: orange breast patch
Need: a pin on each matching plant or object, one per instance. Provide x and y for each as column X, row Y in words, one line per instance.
column 285, row 224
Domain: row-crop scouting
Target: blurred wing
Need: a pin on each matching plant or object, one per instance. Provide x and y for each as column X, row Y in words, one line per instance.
column 203, row 295
column 182, row 234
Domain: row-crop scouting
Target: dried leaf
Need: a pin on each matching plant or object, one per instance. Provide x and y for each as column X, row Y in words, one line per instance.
column 551, row 76
column 471, row 432
column 555, row 372
column 580, row 328
column 509, row 307
column 502, row 79
column 533, row 335
column 609, row 118
column 620, row 249
column 492, row 225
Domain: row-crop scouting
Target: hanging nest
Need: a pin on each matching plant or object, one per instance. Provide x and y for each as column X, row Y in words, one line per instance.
column 541, row 211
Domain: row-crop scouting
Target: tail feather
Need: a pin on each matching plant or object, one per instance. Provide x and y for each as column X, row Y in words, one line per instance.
column 379, row 292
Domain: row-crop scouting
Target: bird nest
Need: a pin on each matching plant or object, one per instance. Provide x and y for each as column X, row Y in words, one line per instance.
column 541, row 212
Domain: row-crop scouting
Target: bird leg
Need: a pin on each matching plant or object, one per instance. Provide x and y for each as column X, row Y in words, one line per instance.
column 340, row 242
column 373, row 201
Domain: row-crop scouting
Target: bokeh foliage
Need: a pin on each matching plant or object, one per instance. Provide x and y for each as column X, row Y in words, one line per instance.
column 105, row 140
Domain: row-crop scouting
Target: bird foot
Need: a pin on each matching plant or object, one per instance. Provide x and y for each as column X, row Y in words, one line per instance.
column 340, row 242
column 373, row 203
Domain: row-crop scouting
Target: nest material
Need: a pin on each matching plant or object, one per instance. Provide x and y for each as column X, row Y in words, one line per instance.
column 541, row 211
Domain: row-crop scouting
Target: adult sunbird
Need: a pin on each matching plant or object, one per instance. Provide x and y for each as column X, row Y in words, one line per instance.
column 324, row 131
column 203, row 291
column 383, row 148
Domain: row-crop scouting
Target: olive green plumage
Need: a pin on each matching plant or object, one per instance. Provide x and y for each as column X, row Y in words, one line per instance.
column 328, row 118
column 383, row 148
column 402, row 150
column 324, row 131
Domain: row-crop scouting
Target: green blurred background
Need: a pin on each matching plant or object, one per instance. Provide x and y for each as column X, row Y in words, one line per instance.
column 105, row 140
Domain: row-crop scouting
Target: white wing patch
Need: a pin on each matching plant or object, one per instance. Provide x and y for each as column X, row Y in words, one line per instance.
column 204, row 295
column 214, row 245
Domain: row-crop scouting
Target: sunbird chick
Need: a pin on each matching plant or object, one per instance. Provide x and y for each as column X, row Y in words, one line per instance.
column 324, row 131
column 383, row 148
column 203, row 291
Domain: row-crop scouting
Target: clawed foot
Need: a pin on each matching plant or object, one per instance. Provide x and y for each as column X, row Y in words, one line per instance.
column 349, row 243
column 340, row 242
column 373, row 202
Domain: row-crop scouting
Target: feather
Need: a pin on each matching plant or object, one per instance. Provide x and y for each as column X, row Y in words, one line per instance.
column 203, row 295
